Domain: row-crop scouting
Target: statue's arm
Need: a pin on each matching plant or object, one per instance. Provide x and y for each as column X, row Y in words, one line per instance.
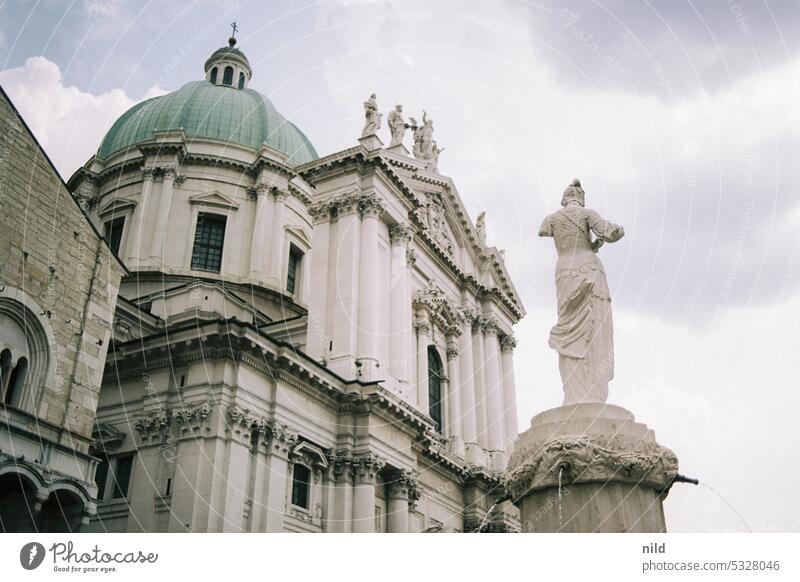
column 604, row 229
column 547, row 227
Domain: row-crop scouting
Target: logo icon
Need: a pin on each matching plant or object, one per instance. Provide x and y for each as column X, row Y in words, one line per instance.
column 31, row 555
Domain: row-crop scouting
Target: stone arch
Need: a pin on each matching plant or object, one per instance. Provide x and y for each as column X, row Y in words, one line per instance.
column 26, row 334
column 64, row 509
column 21, row 495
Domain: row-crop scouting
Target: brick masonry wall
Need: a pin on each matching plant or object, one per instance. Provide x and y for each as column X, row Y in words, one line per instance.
column 50, row 251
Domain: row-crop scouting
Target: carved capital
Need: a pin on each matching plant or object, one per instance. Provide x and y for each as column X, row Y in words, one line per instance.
column 452, row 350
column 282, row 439
column 194, row 416
column 403, row 484
column 346, row 204
column 179, row 179
column 279, row 195
column 400, row 234
column 491, row 325
column 153, row 425
column 149, row 173
column 341, row 463
column 508, row 343
column 423, row 326
column 367, row 466
column 370, row 205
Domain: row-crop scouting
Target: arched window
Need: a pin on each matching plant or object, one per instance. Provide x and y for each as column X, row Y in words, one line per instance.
column 214, row 75
column 6, row 367
column 227, row 76
column 16, row 382
column 435, row 377
column 241, row 80
column 24, row 355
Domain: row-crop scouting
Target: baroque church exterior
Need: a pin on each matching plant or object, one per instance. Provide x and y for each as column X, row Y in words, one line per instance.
column 299, row 343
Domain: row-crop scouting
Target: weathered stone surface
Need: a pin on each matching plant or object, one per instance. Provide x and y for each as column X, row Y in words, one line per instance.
column 593, row 451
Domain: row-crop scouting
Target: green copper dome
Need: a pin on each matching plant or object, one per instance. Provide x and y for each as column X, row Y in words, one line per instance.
column 207, row 111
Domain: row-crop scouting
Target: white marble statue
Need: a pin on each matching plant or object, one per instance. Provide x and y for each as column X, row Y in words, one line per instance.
column 480, row 226
column 583, row 335
column 397, row 125
column 372, row 122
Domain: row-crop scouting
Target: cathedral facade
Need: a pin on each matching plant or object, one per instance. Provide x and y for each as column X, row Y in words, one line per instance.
column 299, row 343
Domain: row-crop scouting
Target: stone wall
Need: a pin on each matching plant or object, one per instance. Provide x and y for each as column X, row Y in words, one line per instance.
column 55, row 262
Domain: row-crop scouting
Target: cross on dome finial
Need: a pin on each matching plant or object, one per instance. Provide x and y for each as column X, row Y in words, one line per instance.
column 234, row 30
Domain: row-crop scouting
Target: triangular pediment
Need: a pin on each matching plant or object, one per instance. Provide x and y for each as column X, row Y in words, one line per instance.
column 301, row 234
column 216, row 199
column 116, row 205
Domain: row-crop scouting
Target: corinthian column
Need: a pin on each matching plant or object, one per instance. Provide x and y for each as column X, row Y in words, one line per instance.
column 423, row 329
column 260, row 231
column 494, row 397
column 479, row 366
column 454, row 399
column 365, row 477
column 400, row 328
column 275, row 275
column 509, row 391
column 402, row 492
column 139, row 218
column 162, row 218
column 467, row 372
column 370, row 208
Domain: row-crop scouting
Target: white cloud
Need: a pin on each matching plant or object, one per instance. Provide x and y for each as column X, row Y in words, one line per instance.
column 68, row 122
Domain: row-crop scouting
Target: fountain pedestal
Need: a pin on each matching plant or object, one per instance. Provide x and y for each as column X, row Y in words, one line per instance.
column 613, row 474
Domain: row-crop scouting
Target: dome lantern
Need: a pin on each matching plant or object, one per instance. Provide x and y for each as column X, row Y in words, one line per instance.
column 228, row 66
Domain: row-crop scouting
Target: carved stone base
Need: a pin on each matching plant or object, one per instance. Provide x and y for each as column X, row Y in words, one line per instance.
column 371, row 142
column 399, row 149
column 613, row 474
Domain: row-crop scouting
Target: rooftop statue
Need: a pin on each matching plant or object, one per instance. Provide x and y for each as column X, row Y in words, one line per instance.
column 397, row 125
column 372, row 122
column 583, row 335
column 425, row 147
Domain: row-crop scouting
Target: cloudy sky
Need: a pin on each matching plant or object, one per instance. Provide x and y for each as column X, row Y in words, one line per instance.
column 682, row 120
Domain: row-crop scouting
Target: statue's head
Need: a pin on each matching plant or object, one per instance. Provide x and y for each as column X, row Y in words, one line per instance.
column 573, row 192
column 398, row 107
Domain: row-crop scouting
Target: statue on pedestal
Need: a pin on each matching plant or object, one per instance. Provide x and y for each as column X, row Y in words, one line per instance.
column 372, row 121
column 397, row 125
column 425, row 147
column 583, row 335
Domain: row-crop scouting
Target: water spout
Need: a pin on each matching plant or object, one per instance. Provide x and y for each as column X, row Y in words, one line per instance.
column 682, row 479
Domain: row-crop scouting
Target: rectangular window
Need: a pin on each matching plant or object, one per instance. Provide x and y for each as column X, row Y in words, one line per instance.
column 122, row 477
column 295, row 258
column 301, row 484
column 101, row 478
column 113, row 233
column 208, row 240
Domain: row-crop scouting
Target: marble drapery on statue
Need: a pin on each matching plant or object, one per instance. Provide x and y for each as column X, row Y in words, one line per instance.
column 583, row 335
column 372, row 117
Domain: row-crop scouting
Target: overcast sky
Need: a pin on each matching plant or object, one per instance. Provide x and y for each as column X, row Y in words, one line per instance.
column 680, row 118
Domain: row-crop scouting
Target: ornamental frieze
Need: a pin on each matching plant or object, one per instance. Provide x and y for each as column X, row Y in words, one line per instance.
column 569, row 459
